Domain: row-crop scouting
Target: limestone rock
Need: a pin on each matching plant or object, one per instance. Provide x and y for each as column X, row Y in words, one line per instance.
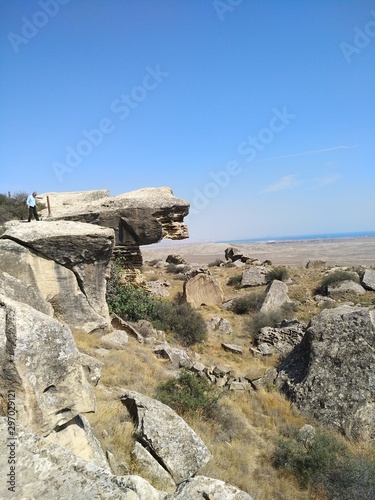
column 316, row 264
column 115, row 340
column 150, row 468
column 177, row 357
column 279, row 340
column 170, row 440
column 368, row 279
column 204, row 488
column 220, row 324
column 175, row 259
column 42, row 364
column 138, row 217
column 83, row 248
column 254, row 277
column 330, row 374
column 45, row 470
column 92, row 367
column 345, row 289
column 55, row 283
column 276, row 297
column 15, row 289
column 235, row 349
column 202, row 289
column 78, row 437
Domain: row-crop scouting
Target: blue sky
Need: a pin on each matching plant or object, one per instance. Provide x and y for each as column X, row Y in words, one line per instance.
column 261, row 114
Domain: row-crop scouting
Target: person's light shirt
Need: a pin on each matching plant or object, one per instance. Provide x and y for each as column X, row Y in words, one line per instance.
column 31, row 202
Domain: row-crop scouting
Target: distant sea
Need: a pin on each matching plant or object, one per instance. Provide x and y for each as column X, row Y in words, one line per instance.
column 303, row 237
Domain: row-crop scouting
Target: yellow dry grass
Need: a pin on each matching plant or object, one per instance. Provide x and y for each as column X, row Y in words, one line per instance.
column 242, row 431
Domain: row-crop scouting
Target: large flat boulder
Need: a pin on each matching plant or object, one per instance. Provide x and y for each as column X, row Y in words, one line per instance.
column 330, row 374
column 67, row 264
column 41, row 364
column 138, row 217
column 202, row 288
column 167, row 436
column 201, row 487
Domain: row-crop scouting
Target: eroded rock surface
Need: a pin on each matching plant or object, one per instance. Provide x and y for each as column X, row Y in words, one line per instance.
column 331, row 373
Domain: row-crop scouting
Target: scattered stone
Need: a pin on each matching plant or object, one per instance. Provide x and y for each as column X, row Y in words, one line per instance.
column 316, row 264
column 235, row 349
column 276, row 297
column 167, row 436
column 177, row 357
column 92, row 367
column 279, row 340
column 345, row 289
column 115, row 340
column 220, row 324
column 175, row 259
column 201, row 487
column 254, row 277
column 368, row 279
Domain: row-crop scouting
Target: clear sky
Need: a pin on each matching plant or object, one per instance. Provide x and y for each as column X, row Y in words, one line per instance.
column 261, row 114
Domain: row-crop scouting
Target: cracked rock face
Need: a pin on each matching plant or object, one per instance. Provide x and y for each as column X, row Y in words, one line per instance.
column 40, row 363
column 166, row 436
column 331, row 373
column 66, row 264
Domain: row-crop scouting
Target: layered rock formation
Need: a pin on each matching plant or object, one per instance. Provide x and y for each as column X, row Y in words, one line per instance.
column 138, row 217
column 65, row 265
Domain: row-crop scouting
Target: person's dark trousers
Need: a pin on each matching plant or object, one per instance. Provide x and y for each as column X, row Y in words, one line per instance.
column 33, row 212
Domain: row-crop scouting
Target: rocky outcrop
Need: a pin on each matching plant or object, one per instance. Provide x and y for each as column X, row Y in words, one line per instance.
column 45, row 470
column 281, row 340
column 40, row 362
column 201, row 288
column 201, row 488
column 330, row 374
column 66, row 264
column 344, row 290
column 276, row 297
column 254, row 276
column 368, row 279
column 138, row 217
column 167, row 436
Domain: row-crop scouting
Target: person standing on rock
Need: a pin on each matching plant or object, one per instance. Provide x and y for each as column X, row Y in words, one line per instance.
column 31, row 203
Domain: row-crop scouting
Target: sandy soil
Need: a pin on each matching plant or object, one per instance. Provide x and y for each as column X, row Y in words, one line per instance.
column 338, row 251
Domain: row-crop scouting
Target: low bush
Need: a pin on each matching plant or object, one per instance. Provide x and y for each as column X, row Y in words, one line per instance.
column 334, row 279
column 188, row 393
column 13, row 207
column 272, row 319
column 277, row 273
column 133, row 304
column 326, row 461
column 235, row 280
column 248, row 303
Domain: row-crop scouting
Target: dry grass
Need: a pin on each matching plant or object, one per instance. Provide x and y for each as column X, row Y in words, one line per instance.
column 243, row 429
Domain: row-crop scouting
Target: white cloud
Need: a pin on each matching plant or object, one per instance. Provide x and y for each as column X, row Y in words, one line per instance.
column 303, row 153
column 286, row 182
column 327, row 179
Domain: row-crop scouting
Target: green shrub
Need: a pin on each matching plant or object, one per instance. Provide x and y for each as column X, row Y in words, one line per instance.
column 188, row 393
column 277, row 273
column 235, row 280
column 334, row 279
column 13, row 208
column 326, row 461
column 133, row 304
column 248, row 303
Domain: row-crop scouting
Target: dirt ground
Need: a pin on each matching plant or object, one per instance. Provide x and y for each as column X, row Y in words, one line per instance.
column 335, row 251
